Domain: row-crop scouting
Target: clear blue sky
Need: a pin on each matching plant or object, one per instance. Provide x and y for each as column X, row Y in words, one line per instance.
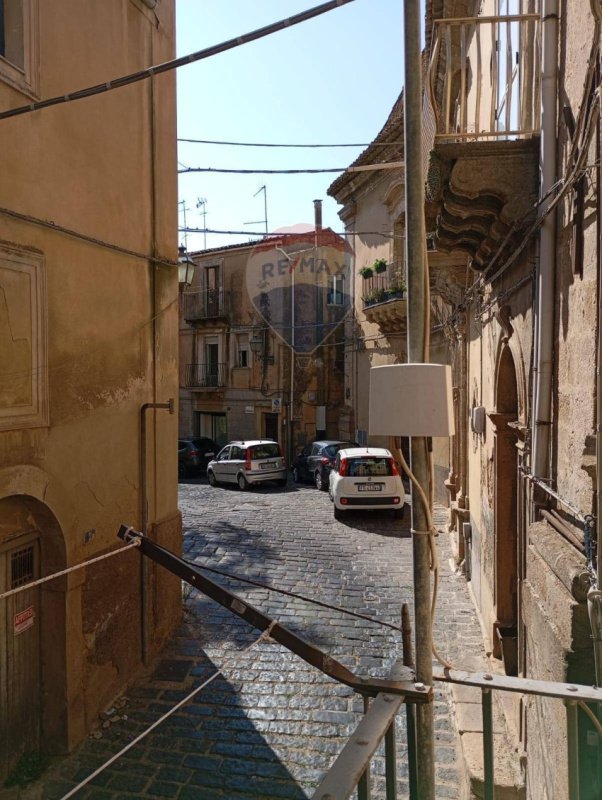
column 331, row 79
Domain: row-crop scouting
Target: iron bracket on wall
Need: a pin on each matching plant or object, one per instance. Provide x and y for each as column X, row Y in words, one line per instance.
column 411, row 691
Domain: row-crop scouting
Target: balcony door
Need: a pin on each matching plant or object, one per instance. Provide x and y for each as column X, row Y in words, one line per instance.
column 211, row 363
column 213, row 290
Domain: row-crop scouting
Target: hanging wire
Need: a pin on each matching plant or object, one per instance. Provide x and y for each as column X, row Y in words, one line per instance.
column 274, row 144
column 54, row 575
column 263, row 637
column 168, row 66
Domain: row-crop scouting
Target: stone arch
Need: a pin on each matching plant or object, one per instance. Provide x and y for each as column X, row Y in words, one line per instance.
column 506, row 535
column 26, row 521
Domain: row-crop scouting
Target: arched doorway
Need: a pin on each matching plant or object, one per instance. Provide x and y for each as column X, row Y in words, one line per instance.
column 32, row 631
column 505, row 418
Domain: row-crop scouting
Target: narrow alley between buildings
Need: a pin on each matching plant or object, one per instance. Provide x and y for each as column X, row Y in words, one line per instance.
column 271, row 725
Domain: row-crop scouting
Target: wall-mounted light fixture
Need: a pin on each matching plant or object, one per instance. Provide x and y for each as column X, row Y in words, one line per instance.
column 185, row 268
column 259, row 345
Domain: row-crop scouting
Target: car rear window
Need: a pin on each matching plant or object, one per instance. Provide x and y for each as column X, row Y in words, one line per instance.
column 268, row 450
column 333, row 449
column 367, row 467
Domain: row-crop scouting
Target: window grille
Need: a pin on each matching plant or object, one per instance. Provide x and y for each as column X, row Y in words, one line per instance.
column 21, row 567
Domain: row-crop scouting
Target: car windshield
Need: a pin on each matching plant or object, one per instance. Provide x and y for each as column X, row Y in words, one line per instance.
column 367, row 467
column 333, row 449
column 267, row 450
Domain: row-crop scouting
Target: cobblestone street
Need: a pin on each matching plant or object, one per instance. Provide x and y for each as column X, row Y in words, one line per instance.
column 271, row 725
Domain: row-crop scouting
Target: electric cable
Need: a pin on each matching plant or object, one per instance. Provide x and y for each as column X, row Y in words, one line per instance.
column 263, row 637
column 261, row 171
column 168, row 66
column 288, row 593
column 75, row 567
column 276, row 144
column 283, row 234
column 44, row 223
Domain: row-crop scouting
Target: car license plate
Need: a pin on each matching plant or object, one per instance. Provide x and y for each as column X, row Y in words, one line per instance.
column 269, row 465
column 370, row 487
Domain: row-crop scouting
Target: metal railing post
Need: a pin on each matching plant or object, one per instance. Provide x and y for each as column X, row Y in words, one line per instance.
column 408, row 661
column 390, row 764
column 363, row 787
column 572, row 739
column 486, row 699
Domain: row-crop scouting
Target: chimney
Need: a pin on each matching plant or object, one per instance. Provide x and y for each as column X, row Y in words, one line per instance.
column 318, row 215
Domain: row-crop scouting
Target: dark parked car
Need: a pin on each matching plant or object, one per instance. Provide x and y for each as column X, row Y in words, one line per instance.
column 316, row 460
column 194, row 455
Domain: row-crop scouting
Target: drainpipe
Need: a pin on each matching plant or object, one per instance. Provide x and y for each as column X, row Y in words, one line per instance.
column 144, row 523
column 544, row 309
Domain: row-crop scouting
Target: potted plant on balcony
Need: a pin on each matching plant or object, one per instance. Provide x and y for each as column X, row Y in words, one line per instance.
column 380, row 265
column 397, row 289
column 369, row 299
column 366, row 272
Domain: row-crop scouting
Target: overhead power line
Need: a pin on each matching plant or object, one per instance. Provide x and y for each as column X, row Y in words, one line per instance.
column 53, row 226
column 167, row 66
column 277, row 144
column 261, row 171
column 358, row 168
column 280, row 235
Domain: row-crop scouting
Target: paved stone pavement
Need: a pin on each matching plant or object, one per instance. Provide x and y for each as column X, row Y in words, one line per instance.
column 271, row 725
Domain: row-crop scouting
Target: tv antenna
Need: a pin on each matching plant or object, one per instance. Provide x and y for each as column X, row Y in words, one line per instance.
column 202, row 203
column 265, row 208
column 184, row 210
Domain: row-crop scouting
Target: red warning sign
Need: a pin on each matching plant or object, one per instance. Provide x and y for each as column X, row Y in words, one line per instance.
column 24, row 620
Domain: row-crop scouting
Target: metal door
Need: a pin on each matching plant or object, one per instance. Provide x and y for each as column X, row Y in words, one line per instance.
column 20, row 673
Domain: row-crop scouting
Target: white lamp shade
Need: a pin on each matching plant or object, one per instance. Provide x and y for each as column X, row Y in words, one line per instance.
column 411, row 400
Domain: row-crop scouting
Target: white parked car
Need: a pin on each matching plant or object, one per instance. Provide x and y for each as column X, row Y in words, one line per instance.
column 244, row 463
column 366, row 478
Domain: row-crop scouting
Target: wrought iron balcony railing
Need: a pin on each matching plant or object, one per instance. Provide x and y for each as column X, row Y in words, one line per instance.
column 484, row 78
column 207, row 304
column 380, row 287
column 205, row 376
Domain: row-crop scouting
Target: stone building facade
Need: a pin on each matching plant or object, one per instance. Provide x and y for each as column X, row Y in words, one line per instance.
column 88, row 338
column 522, row 326
column 261, row 334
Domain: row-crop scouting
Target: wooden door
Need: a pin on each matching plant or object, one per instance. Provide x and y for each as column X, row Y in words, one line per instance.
column 20, row 672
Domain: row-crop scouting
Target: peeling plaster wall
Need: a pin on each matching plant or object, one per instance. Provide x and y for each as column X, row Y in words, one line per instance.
column 87, row 165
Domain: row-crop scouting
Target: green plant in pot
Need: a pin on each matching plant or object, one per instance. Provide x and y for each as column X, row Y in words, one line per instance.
column 366, row 272
column 380, row 265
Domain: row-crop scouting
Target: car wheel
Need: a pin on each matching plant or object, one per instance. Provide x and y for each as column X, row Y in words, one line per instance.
column 320, row 482
column 296, row 476
column 181, row 471
column 338, row 513
column 211, row 478
column 399, row 513
column 330, row 495
column 243, row 483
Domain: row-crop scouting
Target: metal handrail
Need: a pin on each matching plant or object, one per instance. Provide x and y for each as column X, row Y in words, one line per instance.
column 205, row 304
column 205, row 376
column 351, row 769
column 476, row 73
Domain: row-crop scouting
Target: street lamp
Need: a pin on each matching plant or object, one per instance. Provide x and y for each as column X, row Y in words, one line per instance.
column 258, row 347
column 185, row 267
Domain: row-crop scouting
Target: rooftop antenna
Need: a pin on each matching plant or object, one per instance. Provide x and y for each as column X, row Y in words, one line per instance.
column 265, row 208
column 184, row 210
column 202, row 203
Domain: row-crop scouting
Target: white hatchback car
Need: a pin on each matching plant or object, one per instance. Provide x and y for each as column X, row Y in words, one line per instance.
column 366, row 478
column 249, row 462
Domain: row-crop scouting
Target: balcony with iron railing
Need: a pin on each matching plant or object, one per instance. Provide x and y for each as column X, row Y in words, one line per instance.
column 482, row 109
column 205, row 376
column 384, row 296
column 484, row 78
column 205, row 305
